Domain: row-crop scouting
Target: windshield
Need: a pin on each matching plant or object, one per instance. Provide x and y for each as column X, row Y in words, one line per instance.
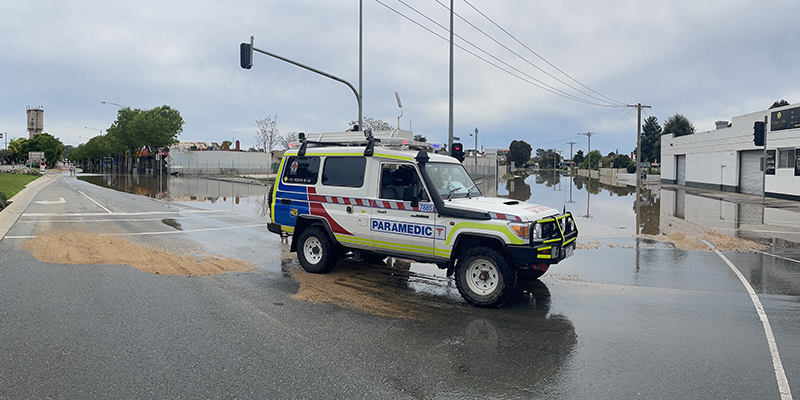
column 451, row 180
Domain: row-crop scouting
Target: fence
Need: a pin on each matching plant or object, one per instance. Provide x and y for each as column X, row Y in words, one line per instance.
column 218, row 162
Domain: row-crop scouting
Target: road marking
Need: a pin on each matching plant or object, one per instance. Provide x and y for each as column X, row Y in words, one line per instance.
column 777, row 256
column 47, row 202
column 159, row 232
column 119, row 213
column 780, row 375
column 95, row 202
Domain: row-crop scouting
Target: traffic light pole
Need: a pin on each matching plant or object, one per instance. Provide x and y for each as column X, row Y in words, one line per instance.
column 247, row 62
column 764, row 172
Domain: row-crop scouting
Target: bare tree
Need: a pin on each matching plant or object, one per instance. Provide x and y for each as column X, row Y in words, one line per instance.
column 287, row 138
column 374, row 124
column 267, row 135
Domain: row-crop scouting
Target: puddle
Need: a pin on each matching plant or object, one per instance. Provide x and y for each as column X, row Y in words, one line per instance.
column 203, row 193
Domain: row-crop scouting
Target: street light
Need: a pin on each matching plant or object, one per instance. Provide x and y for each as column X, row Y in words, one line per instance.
column 116, row 104
column 399, row 104
column 476, row 148
column 94, row 129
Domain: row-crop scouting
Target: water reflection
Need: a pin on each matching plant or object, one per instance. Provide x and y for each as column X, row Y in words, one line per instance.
column 200, row 192
column 616, row 205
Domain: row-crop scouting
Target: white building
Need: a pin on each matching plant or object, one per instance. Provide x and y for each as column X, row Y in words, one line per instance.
column 726, row 158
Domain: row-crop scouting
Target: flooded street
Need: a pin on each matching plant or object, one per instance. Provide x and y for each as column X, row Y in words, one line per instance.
column 645, row 316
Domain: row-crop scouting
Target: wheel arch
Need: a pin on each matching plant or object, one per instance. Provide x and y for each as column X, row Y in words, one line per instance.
column 306, row 221
column 466, row 241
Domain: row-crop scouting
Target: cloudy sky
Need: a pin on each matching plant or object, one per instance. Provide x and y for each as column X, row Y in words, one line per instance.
column 708, row 60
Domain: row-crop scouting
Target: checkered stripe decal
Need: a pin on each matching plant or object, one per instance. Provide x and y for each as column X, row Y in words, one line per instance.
column 507, row 217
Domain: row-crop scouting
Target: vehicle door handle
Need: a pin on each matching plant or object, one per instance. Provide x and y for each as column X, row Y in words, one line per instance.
column 286, row 202
column 420, row 216
column 382, row 211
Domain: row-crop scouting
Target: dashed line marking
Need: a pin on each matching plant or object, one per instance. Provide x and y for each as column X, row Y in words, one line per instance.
column 780, row 375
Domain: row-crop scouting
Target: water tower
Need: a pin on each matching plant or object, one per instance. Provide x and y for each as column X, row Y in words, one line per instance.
column 35, row 121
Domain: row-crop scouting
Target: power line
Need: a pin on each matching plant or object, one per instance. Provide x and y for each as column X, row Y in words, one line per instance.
column 540, row 86
column 613, row 103
column 537, row 55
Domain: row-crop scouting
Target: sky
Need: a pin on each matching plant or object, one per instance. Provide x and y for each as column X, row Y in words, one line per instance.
column 582, row 62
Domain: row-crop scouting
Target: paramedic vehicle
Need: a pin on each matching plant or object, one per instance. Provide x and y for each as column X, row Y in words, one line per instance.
column 378, row 195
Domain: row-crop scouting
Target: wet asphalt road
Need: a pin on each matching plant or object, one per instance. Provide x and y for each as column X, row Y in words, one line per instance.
column 637, row 319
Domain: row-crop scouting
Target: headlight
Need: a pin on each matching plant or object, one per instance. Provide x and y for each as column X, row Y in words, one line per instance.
column 537, row 232
column 521, row 230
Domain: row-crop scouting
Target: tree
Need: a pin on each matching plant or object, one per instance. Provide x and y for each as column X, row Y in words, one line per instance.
column 46, row 143
column 678, row 125
column 620, row 161
column 284, row 140
column 16, row 147
column 374, row 124
column 651, row 140
column 134, row 129
column 595, row 158
column 519, row 152
column 226, row 144
column 578, row 157
column 780, row 103
column 267, row 135
column 548, row 159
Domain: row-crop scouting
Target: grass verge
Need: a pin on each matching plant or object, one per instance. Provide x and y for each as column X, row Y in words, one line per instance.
column 11, row 184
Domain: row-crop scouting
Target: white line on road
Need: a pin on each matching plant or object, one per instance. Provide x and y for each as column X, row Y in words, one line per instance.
column 777, row 256
column 95, row 202
column 783, row 383
column 119, row 213
column 159, row 232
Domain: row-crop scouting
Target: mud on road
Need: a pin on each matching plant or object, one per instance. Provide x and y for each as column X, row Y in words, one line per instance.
column 92, row 248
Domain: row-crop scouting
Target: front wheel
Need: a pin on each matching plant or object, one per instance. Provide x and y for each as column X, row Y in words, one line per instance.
column 484, row 278
column 316, row 251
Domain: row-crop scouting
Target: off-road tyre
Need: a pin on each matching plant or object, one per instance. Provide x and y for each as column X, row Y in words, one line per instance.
column 484, row 278
column 315, row 251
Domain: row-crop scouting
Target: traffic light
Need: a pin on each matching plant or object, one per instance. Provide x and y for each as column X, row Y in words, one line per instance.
column 758, row 133
column 458, row 152
column 246, row 55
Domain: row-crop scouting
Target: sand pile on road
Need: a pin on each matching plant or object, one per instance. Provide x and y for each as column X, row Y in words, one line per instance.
column 91, row 248
column 375, row 289
column 722, row 242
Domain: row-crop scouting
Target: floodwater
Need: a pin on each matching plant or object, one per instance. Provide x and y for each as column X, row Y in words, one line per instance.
column 209, row 194
column 589, row 198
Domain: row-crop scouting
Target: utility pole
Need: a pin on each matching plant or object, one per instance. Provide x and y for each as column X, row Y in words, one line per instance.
column 570, row 151
column 639, row 108
column 588, row 155
column 450, row 126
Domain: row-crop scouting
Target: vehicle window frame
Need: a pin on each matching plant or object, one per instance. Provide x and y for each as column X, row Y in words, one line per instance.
column 420, row 182
column 285, row 178
column 328, row 159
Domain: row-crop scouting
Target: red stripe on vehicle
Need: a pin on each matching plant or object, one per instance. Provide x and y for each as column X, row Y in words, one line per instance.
column 319, row 210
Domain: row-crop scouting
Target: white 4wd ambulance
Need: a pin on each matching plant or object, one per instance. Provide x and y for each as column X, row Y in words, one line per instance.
column 376, row 196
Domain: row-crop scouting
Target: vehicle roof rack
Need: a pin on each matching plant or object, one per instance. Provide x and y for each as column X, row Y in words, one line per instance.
column 386, row 138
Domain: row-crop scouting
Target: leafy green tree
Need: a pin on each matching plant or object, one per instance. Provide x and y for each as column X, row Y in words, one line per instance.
column 16, row 147
column 547, row 159
column 595, row 158
column 651, row 140
column 578, row 157
column 46, row 143
column 620, row 161
column 679, row 125
column 519, row 152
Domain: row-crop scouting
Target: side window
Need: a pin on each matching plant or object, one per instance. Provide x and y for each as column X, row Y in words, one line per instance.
column 398, row 182
column 301, row 170
column 344, row 171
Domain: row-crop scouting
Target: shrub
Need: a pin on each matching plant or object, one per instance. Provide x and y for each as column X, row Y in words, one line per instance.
column 631, row 168
column 3, row 200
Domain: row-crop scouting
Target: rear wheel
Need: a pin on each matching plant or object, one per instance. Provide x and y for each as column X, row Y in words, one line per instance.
column 316, row 252
column 484, row 278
